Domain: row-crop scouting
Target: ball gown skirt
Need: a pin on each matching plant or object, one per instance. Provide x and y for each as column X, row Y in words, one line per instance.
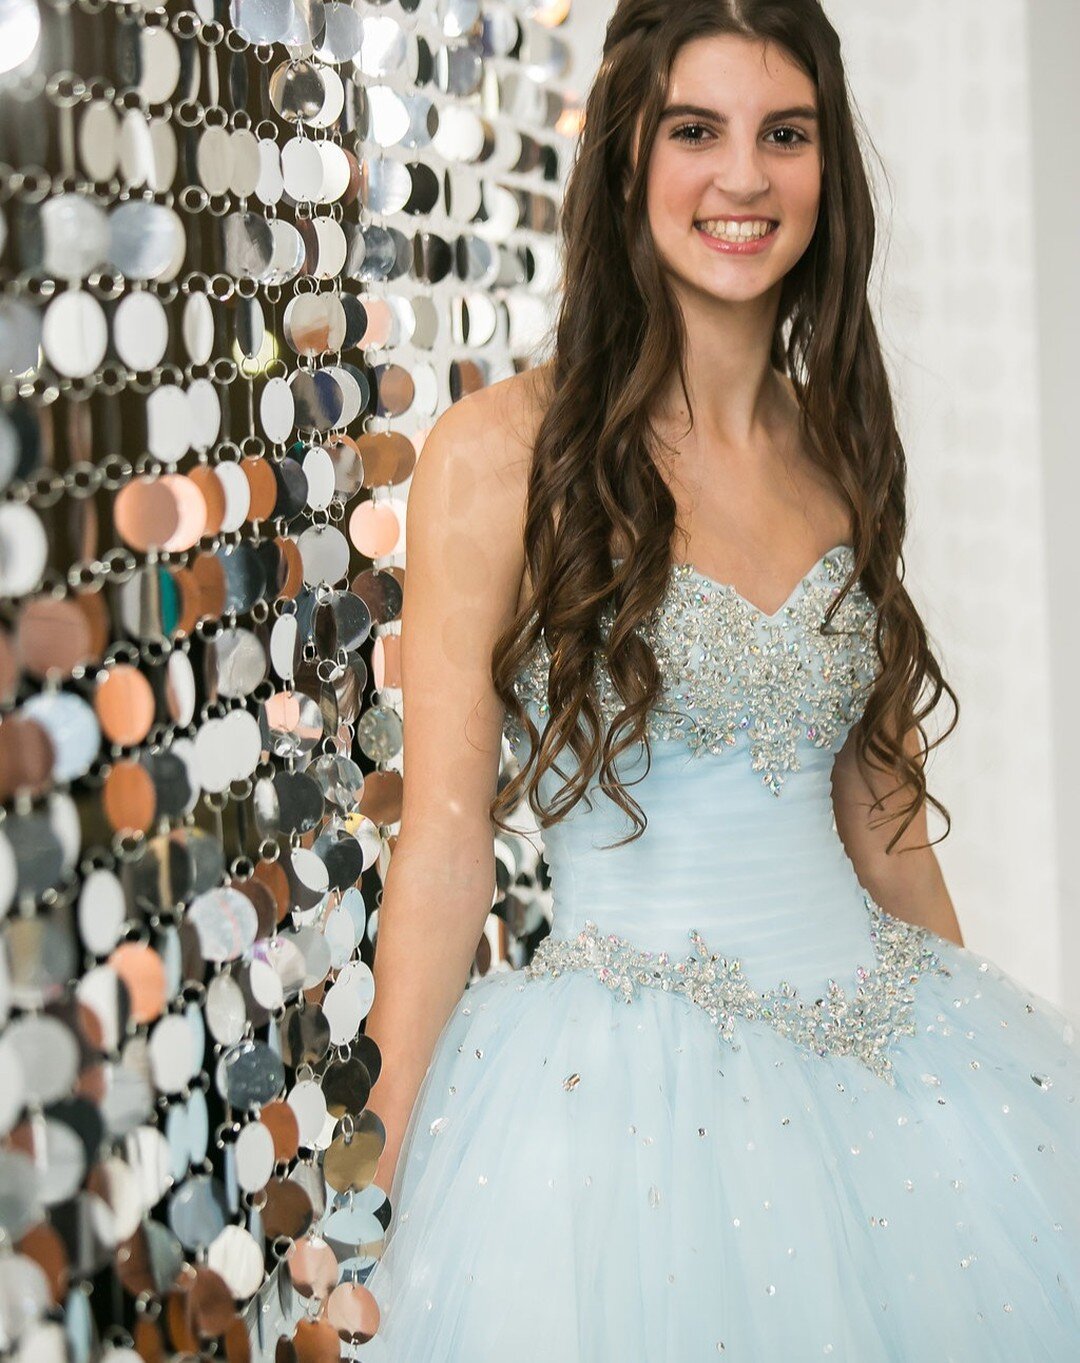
column 732, row 1108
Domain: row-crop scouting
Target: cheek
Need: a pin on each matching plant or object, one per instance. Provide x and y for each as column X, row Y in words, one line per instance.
column 803, row 196
column 675, row 189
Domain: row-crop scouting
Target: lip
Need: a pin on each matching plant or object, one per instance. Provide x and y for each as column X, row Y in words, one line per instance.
column 739, row 248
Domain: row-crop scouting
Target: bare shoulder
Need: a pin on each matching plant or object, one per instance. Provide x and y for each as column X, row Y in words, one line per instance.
column 498, row 423
column 473, row 471
column 465, row 565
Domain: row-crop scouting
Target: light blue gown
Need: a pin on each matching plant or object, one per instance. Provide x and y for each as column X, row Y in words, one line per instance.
column 843, row 1137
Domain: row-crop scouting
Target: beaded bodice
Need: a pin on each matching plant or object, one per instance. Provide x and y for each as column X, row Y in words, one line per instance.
column 730, row 669
column 794, row 940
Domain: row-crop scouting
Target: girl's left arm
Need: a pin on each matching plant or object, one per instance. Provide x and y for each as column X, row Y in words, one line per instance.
column 907, row 881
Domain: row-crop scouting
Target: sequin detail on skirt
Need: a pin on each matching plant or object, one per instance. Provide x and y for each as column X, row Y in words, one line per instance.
column 864, row 1025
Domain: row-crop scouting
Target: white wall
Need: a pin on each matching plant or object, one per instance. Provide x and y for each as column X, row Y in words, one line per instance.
column 944, row 93
column 1054, row 55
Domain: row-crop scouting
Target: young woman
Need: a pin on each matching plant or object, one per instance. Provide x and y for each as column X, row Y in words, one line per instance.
column 753, row 1096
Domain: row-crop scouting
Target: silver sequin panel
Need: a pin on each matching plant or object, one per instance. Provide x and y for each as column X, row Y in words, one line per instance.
column 865, row 1025
column 730, row 669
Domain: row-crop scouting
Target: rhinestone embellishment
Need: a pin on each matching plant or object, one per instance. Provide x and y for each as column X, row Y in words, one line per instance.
column 865, row 1024
column 730, row 669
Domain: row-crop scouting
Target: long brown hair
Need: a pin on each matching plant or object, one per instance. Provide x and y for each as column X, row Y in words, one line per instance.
column 618, row 335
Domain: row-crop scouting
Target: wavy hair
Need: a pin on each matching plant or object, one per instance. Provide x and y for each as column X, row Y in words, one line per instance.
column 618, row 337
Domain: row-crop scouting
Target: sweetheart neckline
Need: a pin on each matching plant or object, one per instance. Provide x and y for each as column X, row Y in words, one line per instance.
column 836, row 551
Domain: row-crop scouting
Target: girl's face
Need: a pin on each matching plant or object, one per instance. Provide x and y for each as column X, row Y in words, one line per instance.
column 737, row 151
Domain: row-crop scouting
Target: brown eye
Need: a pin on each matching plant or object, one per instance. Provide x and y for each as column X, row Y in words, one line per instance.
column 684, row 134
column 799, row 136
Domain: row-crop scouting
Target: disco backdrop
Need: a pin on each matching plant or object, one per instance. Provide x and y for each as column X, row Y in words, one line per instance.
column 249, row 252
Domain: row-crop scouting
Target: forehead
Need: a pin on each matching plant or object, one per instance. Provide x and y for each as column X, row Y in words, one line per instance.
column 726, row 72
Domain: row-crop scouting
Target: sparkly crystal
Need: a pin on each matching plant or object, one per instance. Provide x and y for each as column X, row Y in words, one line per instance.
column 865, row 1024
column 733, row 673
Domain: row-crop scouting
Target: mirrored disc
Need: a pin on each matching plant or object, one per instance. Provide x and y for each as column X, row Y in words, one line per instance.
column 75, row 334
column 73, row 728
column 226, row 1014
column 20, row 336
column 315, row 323
column 167, row 421
column 146, row 240
column 297, row 90
column 276, row 411
column 254, row 1157
column 248, row 245
column 196, row 1211
column 140, row 330
column 226, row 923
column 98, row 140
column 23, row 549
column 76, row 236
column 197, row 328
column 262, row 21
column 250, row 1074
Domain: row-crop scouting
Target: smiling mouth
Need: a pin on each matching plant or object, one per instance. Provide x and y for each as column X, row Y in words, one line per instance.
column 723, row 230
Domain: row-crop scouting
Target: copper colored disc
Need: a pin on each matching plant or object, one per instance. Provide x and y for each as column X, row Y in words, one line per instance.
column 237, row 1343
column 149, row 1344
column 280, row 1119
column 143, row 974
column 262, row 901
column 187, row 586
column 44, row 1246
column 316, row 1342
column 381, row 800
column 191, row 513
column 272, row 875
column 209, row 578
column 356, row 176
column 386, row 661
column 9, row 669
column 287, row 1210
column 209, row 484
column 179, row 1317
column 313, row 1267
column 129, row 798
column 396, row 389
column 294, row 569
column 211, row 1309
column 374, row 529
column 96, row 609
column 379, row 322
column 125, row 706
column 135, row 1266
column 353, row 1312
column 54, row 636
column 263, row 486
column 89, row 1025
column 146, row 513
column 389, row 456
column 27, row 756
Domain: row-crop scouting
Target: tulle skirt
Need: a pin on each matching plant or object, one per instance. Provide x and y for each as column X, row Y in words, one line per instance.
column 590, row 1180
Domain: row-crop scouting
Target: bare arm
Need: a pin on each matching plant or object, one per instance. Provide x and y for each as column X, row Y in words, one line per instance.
column 463, row 575
column 907, row 882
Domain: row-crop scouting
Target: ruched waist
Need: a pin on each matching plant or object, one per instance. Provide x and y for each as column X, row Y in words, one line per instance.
column 763, row 879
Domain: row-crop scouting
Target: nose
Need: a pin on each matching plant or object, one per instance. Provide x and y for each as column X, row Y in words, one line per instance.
column 740, row 169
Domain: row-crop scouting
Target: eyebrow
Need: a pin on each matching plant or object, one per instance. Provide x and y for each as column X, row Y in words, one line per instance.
column 699, row 111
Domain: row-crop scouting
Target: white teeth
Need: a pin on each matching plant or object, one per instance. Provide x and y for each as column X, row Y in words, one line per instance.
column 736, row 231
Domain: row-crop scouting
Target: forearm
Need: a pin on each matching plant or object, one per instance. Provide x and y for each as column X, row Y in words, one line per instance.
column 915, row 892
column 432, row 914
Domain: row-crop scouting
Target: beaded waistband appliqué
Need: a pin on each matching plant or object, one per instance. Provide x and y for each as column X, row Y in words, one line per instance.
column 863, row 1025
